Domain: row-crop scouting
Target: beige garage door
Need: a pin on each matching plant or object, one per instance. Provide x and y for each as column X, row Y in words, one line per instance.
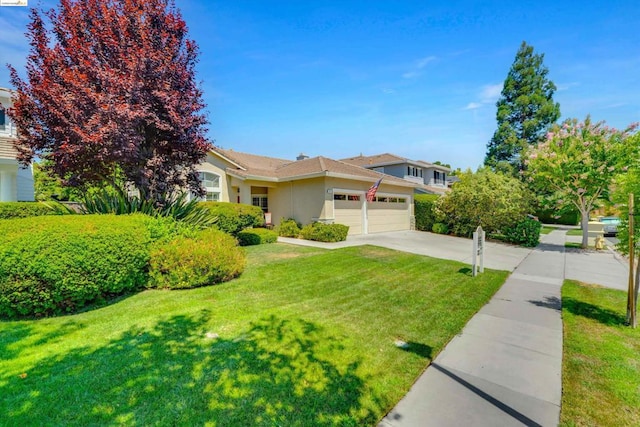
column 348, row 211
column 388, row 213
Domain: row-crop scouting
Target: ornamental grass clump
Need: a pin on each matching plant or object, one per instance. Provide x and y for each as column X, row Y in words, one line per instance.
column 208, row 257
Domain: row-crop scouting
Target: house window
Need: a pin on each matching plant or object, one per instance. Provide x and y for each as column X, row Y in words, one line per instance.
column 261, row 201
column 3, row 119
column 349, row 197
column 413, row 171
column 211, row 183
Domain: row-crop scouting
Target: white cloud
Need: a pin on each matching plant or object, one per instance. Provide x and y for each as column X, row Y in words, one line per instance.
column 487, row 94
column 420, row 64
column 424, row 61
column 388, row 90
column 490, row 93
column 567, row 86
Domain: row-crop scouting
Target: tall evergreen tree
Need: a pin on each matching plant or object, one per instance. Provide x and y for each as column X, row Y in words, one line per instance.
column 525, row 111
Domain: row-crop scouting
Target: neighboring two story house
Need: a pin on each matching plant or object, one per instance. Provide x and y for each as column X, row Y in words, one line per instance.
column 16, row 182
column 432, row 178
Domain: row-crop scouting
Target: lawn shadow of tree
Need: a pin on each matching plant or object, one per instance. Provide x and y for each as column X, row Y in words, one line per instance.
column 602, row 315
column 279, row 372
column 12, row 338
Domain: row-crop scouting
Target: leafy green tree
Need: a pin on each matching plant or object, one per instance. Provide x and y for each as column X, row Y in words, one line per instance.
column 492, row 200
column 525, row 111
column 50, row 187
column 577, row 164
column 624, row 184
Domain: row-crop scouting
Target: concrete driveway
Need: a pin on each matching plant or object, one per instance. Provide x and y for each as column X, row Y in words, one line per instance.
column 497, row 256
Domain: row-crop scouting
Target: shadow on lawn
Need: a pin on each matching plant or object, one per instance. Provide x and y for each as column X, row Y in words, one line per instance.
column 277, row 373
column 602, row 315
column 12, row 338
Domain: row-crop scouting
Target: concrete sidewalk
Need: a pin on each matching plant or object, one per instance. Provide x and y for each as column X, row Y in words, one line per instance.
column 504, row 369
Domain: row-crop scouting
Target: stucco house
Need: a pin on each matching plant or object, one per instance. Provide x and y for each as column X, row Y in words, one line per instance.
column 309, row 189
column 432, row 178
column 16, row 183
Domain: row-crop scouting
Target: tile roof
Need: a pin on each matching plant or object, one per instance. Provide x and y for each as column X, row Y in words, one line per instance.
column 279, row 169
column 377, row 159
column 389, row 159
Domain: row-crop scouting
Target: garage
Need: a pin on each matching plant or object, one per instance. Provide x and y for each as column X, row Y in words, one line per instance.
column 387, row 212
column 347, row 210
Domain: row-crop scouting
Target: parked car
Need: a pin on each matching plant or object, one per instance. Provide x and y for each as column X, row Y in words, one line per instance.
column 610, row 225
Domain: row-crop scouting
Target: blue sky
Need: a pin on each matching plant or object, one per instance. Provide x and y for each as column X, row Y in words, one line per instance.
column 416, row 78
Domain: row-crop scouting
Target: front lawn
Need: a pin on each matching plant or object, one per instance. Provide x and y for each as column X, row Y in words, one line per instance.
column 574, row 232
column 546, row 229
column 304, row 337
column 601, row 369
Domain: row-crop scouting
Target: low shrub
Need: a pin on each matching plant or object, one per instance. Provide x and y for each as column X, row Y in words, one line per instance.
column 324, row 232
column 289, row 228
column 29, row 209
column 209, row 257
column 525, row 233
column 256, row 236
column 59, row 264
column 424, row 211
column 440, row 228
column 571, row 217
column 235, row 217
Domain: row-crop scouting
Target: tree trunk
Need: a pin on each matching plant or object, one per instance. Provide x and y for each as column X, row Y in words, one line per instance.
column 584, row 223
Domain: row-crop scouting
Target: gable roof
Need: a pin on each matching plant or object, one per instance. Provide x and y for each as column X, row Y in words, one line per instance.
column 273, row 169
column 386, row 159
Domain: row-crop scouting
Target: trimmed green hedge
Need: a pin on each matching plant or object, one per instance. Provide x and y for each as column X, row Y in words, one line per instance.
column 235, row 217
column 257, row 236
column 288, row 228
column 209, row 257
column 29, row 209
column 565, row 218
column 325, row 232
column 424, row 211
column 58, row 264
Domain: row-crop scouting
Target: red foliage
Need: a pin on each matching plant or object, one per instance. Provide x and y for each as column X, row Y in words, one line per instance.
column 111, row 87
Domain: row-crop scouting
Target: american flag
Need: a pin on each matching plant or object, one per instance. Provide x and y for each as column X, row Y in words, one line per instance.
column 371, row 193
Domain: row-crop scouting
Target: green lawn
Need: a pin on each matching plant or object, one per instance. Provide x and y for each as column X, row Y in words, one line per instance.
column 547, row 229
column 574, row 232
column 304, row 337
column 601, row 367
